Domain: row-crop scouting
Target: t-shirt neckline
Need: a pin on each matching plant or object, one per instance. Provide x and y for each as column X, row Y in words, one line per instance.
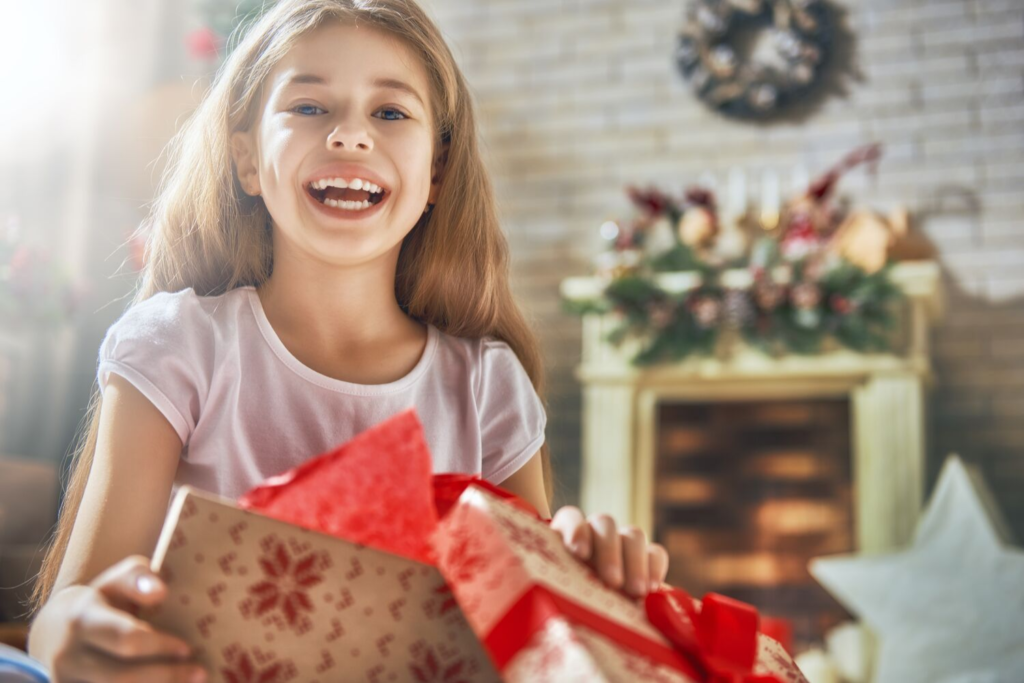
column 311, row 375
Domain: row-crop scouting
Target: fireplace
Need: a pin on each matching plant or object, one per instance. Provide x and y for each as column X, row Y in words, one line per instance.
column 746, row 466
column 747, row 493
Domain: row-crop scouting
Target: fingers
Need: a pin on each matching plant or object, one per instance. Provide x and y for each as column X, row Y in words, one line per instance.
column 570, row 523
column 622, row 557
column 87, row 665
column 635, row 561
column 130, row 582
column 118, row 634
column 104, row 625
column 657, row 562
column 607, row 549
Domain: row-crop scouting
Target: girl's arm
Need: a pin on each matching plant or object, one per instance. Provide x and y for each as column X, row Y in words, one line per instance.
column 621, row 557
column 129, row 487
column 85, row 627
column 528, row 483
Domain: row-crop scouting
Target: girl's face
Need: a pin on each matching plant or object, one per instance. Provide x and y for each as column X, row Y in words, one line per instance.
column 345, row 104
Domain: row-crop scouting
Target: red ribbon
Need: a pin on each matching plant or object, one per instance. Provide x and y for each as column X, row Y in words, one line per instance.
column 721, row 636
column 449, row 487
column 538, row 604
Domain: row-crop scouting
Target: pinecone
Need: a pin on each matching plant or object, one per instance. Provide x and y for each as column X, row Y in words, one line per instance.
column 806, row 295
column 739, row 308
column 768, row 295
column 707, row 311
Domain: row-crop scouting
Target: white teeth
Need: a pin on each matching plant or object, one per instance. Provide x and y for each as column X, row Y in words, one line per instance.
column 354, row 184
column 351, row 206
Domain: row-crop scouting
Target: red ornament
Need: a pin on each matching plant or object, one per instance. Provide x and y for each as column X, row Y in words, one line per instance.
column 204, row 44
column 137, row 251
column 652, row 201
column 840, row 304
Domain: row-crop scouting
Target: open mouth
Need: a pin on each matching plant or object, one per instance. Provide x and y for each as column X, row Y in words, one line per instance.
column 346, row 198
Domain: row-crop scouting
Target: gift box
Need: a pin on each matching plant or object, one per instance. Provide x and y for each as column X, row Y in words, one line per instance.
column 360, row 565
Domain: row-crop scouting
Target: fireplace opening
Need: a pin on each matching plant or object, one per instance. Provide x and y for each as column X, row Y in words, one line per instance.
column 746, row 493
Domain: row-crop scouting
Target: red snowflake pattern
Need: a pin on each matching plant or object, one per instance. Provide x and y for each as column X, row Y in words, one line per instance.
column 448, row 599
column 427, row 669
column 531, row 541
column 646, row 670
column 463, row 559
column 243, row 668
column 286, row 584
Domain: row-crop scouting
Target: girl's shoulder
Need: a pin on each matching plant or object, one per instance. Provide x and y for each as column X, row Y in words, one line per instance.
column 490, row 362
column 169, row 311
column 476, row 351
column 176, row 323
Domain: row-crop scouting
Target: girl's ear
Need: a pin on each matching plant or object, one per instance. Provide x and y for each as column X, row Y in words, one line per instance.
column 437, row 173
column 244, row 155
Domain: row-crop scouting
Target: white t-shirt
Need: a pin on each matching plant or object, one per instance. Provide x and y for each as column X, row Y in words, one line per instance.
column 246, row 409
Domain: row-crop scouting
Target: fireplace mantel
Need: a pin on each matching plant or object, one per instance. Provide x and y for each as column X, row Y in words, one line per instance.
column 886, row 392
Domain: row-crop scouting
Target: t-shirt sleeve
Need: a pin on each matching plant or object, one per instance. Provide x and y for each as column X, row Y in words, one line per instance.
column 158, row 346
column 512, row 416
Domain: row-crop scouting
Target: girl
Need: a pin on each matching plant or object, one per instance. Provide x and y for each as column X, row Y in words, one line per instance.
column 324, row 252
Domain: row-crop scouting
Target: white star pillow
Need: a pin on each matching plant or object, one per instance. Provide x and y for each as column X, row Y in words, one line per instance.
column 950, row 608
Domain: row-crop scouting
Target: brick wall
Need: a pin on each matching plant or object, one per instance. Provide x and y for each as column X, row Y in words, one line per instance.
column 579, row 97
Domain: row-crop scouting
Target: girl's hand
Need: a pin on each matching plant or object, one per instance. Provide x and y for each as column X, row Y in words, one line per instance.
column 621, row 557
column 88, row 634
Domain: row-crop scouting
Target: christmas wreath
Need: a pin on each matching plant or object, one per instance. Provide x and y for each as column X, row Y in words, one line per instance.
column 797, row 288
column 707, row 56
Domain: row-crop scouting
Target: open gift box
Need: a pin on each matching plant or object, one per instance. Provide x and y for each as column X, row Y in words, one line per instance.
column 359, row 565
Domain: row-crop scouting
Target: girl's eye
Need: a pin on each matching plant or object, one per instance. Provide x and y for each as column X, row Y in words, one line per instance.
column 393, row 111
column 305, row 106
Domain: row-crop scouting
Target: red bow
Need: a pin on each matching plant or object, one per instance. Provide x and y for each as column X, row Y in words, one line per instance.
column 720, row 637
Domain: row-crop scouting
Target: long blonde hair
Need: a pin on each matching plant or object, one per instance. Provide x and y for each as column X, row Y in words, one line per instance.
column 204, row 232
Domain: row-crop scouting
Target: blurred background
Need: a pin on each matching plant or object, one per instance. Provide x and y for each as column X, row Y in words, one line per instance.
column 577, row 100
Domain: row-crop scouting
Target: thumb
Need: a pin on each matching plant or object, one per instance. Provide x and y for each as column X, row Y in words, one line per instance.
column 131, row 582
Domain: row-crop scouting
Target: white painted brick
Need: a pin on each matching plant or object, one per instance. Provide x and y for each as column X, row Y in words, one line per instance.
column 950, row 231
column 1001, row 232
column 1002, row 289
column 983, row 7
column 934, row 41
column 962, row 348
column 947, row 65
column 1008, row 116
column 986, row 259
column 999, row 57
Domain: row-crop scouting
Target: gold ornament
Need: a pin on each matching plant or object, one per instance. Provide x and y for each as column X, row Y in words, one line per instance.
column 697, row 228
column 868, row 239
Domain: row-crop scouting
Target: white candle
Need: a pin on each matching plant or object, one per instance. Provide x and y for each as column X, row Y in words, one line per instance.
column 770, row 200
column 799, row 180
column 737, row 194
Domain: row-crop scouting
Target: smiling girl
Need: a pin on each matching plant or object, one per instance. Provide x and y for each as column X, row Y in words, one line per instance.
column 324, row 253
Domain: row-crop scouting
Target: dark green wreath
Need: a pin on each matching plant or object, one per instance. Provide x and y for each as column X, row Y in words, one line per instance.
column 707, row 56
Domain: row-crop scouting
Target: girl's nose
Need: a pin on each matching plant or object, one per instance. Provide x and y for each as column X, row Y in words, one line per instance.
column 350, row 138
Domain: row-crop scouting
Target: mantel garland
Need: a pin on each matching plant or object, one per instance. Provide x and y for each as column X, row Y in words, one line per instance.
column 799, row 293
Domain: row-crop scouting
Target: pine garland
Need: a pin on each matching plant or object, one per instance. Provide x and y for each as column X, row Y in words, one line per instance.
column 803, row 296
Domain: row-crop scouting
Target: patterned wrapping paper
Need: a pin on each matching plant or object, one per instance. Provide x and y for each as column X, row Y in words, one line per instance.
column 263, row 600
